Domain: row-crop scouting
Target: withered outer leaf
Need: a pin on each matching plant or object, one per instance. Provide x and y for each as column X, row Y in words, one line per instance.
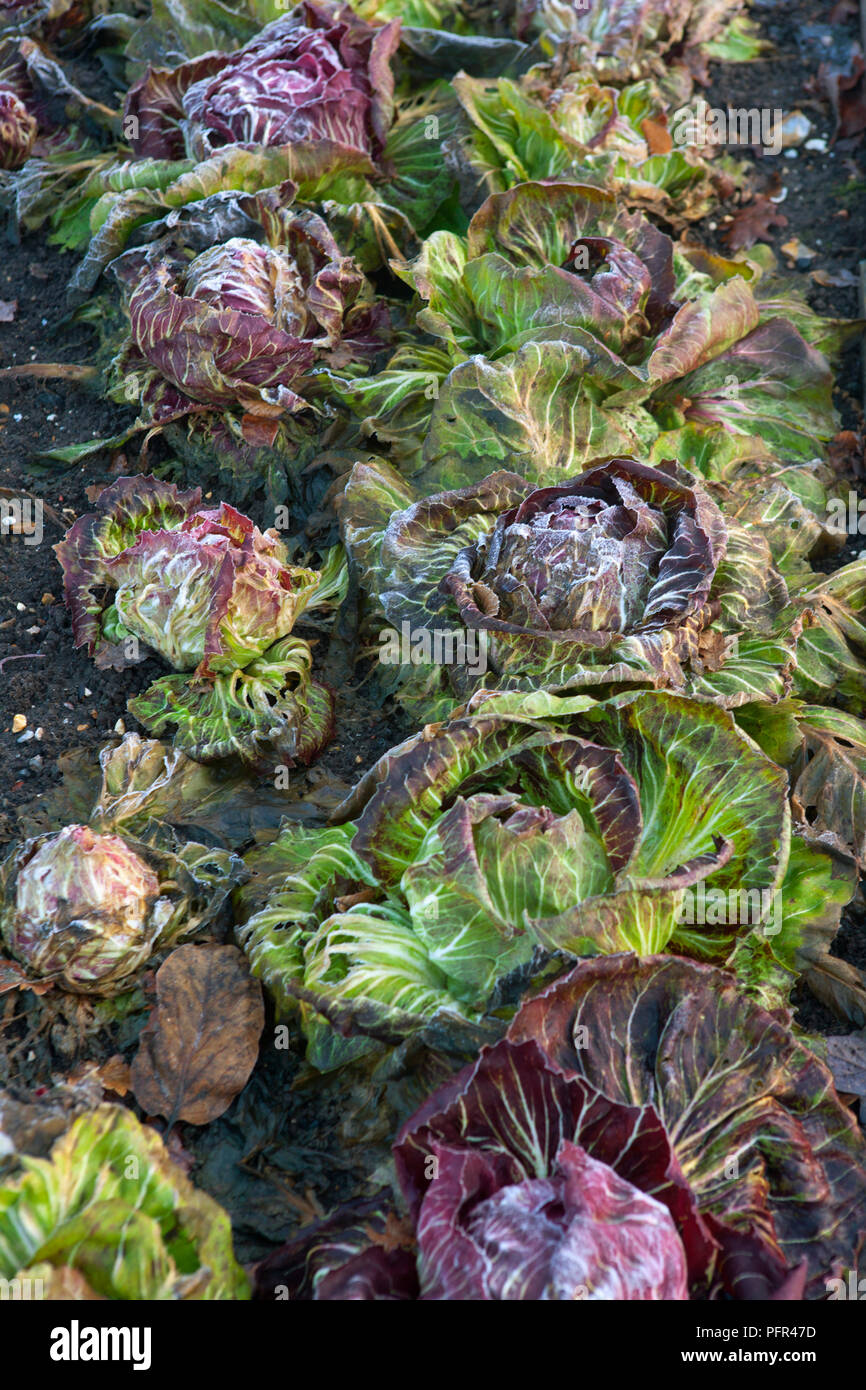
column 202, row 1040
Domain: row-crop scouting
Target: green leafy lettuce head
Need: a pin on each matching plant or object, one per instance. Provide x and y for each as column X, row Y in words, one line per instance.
column 637, row 1136
column 549, row 126
column 528, row 830
column 111, row 1216
column 88, row 909
column 568, row 329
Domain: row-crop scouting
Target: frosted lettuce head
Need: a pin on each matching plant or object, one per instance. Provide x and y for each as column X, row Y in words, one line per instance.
column 88, row 909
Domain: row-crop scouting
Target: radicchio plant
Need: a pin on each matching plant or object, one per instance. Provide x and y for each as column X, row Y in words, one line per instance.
column 110, row 1215
column 567, row 329
column 624, row 37
column 587, row 1156
column 318, row 74
column 37, row 103
column 87, row 909
column 237, row 328
column 626, row 574
column 481, row 852
column 215, row 597
column 575, row 129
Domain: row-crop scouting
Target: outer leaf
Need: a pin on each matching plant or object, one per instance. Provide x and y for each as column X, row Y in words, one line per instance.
column 728, row 1081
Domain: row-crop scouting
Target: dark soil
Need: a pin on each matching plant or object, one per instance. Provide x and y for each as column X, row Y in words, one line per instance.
column 280, row 1152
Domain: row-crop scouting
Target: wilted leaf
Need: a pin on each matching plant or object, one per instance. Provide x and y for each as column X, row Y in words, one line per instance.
column 846, row 93
column 13, row 977
column 753, row 222
column 846, row 1058
column 114, row 1074
column 201, row 1042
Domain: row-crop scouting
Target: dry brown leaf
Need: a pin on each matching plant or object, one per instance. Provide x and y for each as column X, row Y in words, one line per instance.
column 656, row 135
column 839, row 986
column 398, row 1233
column 114, row 1074
column 202, row 1039
column 846, row 92
column 753, row 222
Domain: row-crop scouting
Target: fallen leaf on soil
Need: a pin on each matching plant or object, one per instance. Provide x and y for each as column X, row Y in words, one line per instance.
column 841, row 11
column 846, row 93
column 847, row 454
column 201, row 1041
column 834, row 279
column 753, row 222
column 846, row 1058
column 839, row 986
column 8, row 310
column 114, row 1074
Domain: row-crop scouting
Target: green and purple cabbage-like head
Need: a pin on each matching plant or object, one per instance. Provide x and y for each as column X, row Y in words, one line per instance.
column 614, row 567
column 203, row 587
column 566, row 329
column 87, row 909
column 478, row 855
column 238, row 327
column 626, row 574
column 217, row 599
column 637, row 1136
column 319, row 74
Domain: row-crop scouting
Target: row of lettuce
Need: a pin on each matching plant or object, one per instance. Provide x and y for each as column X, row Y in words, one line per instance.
column 586, row 457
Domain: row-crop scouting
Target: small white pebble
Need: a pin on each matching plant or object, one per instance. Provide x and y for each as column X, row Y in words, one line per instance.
column 790, row 154
column 26, row 736
column 40, row 732
column 17, row 417
column 87, row 692
column 22, row 607
column 120, row 727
